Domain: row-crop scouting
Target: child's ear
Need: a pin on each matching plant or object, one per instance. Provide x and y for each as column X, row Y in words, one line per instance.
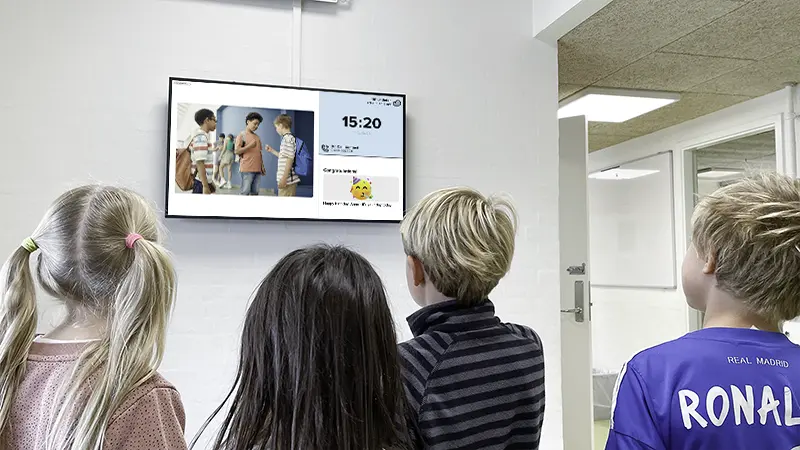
column 417, row 270
column 710, row 266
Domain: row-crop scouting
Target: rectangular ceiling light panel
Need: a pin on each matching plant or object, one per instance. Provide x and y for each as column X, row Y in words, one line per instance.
column 614, row 105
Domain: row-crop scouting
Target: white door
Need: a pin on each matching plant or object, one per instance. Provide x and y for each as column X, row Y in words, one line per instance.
column 576, row 328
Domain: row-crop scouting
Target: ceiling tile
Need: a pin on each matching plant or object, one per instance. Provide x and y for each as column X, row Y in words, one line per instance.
column 609, row 129
column 759, row 28
column 690, row 106
column 759, row 78
column 601, row 141
column 627, row 30
column 565, row 90
column 670, row 72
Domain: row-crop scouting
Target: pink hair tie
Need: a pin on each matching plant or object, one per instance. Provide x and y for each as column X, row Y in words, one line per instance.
column 131, row 239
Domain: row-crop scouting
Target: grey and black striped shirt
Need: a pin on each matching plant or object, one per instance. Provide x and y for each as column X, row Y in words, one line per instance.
column 472, row 381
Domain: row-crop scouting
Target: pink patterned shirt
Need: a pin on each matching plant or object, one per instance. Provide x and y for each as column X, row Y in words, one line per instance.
column 152, row 417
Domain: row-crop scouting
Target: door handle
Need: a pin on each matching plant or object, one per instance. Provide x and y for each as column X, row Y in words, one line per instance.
column 578, row 310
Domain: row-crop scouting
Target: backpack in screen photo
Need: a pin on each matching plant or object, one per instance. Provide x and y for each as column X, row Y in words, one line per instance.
column 302, row 158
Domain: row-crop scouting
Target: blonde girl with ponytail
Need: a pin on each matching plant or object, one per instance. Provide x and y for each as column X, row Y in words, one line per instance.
column 91, row 383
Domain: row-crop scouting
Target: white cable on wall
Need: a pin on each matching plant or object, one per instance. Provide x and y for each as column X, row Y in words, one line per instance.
column 297, row 34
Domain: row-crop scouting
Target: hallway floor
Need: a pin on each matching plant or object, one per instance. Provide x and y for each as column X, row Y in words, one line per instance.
column 600, row 434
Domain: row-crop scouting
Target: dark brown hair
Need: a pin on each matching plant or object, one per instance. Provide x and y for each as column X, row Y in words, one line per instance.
column 318, row 367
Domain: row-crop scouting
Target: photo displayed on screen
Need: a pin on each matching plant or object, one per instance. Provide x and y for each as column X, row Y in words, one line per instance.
column 250, row 151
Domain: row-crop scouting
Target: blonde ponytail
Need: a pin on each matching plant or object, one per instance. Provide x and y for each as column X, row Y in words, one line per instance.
column 128, row 356
column 17, row 326
column 89, row 261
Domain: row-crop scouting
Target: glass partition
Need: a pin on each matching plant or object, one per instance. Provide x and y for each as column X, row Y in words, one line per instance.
column 725, row 162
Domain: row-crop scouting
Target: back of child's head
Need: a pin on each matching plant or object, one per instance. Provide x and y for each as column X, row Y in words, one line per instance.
column 318, row 366
column 202, row 115
column 284, row 120
column 464, row 240
column 752, row 230
column 100, row 253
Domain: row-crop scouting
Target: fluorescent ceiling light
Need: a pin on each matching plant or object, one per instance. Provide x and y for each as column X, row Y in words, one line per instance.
column 718, row 174
column 614, row 105
column 621, row 174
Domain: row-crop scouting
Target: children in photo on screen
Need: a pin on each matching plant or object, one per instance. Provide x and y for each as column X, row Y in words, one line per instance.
column 226, row 162
column 285, row 176
column 735, row 383
column 248, row 147
column 219, row 146
column 91, row 383
column 200, row 147
column 471, row 380
column 318, row 364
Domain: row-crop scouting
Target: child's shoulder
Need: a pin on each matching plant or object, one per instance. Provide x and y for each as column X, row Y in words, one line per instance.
column 199, row 134
column 433, row 344
column 156, row 383
column 524, row 332
column 671, row 354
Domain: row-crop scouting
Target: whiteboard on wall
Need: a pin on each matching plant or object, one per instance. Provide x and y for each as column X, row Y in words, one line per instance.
column 632, row 224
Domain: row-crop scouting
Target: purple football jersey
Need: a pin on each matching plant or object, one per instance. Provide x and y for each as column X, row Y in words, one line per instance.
column 716, row 389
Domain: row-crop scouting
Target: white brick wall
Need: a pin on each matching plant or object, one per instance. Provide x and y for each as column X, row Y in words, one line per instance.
column 83, row 86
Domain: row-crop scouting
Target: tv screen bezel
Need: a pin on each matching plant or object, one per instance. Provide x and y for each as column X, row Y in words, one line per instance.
column 168, row 184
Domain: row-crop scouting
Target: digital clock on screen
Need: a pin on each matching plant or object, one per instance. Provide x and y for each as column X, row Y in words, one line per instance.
column 362, row 122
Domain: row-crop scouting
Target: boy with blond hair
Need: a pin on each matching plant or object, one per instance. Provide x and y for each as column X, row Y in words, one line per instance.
column 472, row 382
column 735, row 383
column 285, row 175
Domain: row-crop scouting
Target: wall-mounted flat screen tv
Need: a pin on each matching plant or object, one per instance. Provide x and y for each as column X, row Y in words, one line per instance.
column 240, row 150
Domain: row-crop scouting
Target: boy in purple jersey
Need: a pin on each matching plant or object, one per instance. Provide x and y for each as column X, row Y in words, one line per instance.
column 735, row 383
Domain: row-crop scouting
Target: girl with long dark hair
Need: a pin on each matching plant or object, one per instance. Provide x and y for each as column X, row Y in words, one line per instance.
column 318, row 368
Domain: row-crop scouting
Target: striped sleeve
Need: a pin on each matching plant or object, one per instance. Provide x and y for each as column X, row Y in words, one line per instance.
column 419, row 357
column 286, row 158
column 288, row 144
column 485, row 390
column 200, row 147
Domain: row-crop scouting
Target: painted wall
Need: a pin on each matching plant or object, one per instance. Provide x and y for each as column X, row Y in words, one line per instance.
column 552, row 19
